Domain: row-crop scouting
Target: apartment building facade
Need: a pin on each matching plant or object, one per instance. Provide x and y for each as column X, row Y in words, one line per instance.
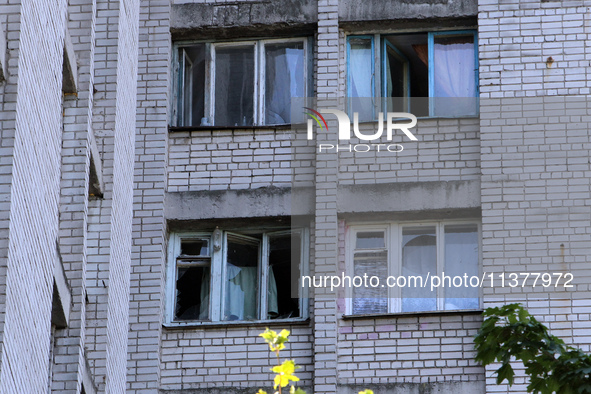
column 174, row 225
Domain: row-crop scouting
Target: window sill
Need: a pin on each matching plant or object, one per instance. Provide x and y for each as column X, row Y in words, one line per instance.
column 173, row 129
column 227, row 324
column 413, row 314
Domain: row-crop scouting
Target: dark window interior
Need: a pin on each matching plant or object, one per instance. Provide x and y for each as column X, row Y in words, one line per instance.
column 192, row 300
column 196, row 247
column 281, row 256
column 412, row 49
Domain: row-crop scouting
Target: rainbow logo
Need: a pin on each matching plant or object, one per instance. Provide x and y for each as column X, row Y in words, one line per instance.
column 317, row 115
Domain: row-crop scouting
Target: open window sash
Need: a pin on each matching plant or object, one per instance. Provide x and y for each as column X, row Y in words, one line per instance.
column 281, row 271
column 453, row 73
column 186, row 88
column 396, row 79
column 361, row 77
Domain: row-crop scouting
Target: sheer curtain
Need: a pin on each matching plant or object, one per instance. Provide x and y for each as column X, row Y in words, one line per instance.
column 284, row 79
column 461, row 258
column 419, row 257
column 361, row 77
column 454, row 75
column 241, row 293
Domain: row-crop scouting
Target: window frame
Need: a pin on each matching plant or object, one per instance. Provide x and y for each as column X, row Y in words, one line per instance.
column 218, row 272
column 258, row 77
column 393, row 246
column 379, row 70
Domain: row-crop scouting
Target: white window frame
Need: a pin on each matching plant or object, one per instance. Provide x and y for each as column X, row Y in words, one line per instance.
column 393, row 246
column 259, row 75
column 218, row 271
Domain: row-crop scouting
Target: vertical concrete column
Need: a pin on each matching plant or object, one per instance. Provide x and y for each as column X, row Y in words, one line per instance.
column 122, row 205
column 69, row 359
column 325, row 233
column 10, row 20
column 149, row 227
column 35, row 186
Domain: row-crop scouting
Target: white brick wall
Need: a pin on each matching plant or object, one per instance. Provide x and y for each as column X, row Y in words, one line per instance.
column 535, row 172
column 122, row 206
column 229, row 159
column 148, row 253
column 69, row 353
column 534, row 177
column 205, row 358
column 34, row 198
column 447, row 150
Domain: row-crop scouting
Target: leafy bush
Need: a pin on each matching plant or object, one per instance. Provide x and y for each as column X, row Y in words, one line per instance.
column 510, row 332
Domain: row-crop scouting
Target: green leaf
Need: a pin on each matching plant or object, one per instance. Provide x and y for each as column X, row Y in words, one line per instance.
column 505, row 372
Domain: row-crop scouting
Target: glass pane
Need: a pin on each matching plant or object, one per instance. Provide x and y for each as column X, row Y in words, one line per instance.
column 283, row 266
column 454, row 74
column 192, row 293
column 461, row 259
column 195, row 247
column 234, row 85
column 419, row 258
column 192, row 85
column 368, row 299
column 370, row 240
column 284, row 79
column 361, row 77
column 242, row 257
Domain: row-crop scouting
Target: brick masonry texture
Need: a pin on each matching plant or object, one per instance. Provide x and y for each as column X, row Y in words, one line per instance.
column 46, row 158
column 531, row 171
column 34, row 199
column 535, row 178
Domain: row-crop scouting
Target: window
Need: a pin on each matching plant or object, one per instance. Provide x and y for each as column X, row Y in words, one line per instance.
column 236, row 276
column 241, row 83
column 408, row 69
column 413, row 250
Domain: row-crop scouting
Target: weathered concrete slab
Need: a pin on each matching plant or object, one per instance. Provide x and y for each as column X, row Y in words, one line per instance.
column 474, row 387
column 377, row 10
column 228, row 204
column 397, row 198
column 246, row 18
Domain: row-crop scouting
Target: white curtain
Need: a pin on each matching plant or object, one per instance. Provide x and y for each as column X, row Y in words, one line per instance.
column 361, row 77
column 419, row 257
column 241, row 293
column 285, row 80
column 461, row 258
column 204, row 305
column 454, row 76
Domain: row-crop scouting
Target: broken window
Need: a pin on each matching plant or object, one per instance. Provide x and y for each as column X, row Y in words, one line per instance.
column 236, row 275
column 193, row 280
column 427, row 74
column 241, row 83
column 404, row 257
